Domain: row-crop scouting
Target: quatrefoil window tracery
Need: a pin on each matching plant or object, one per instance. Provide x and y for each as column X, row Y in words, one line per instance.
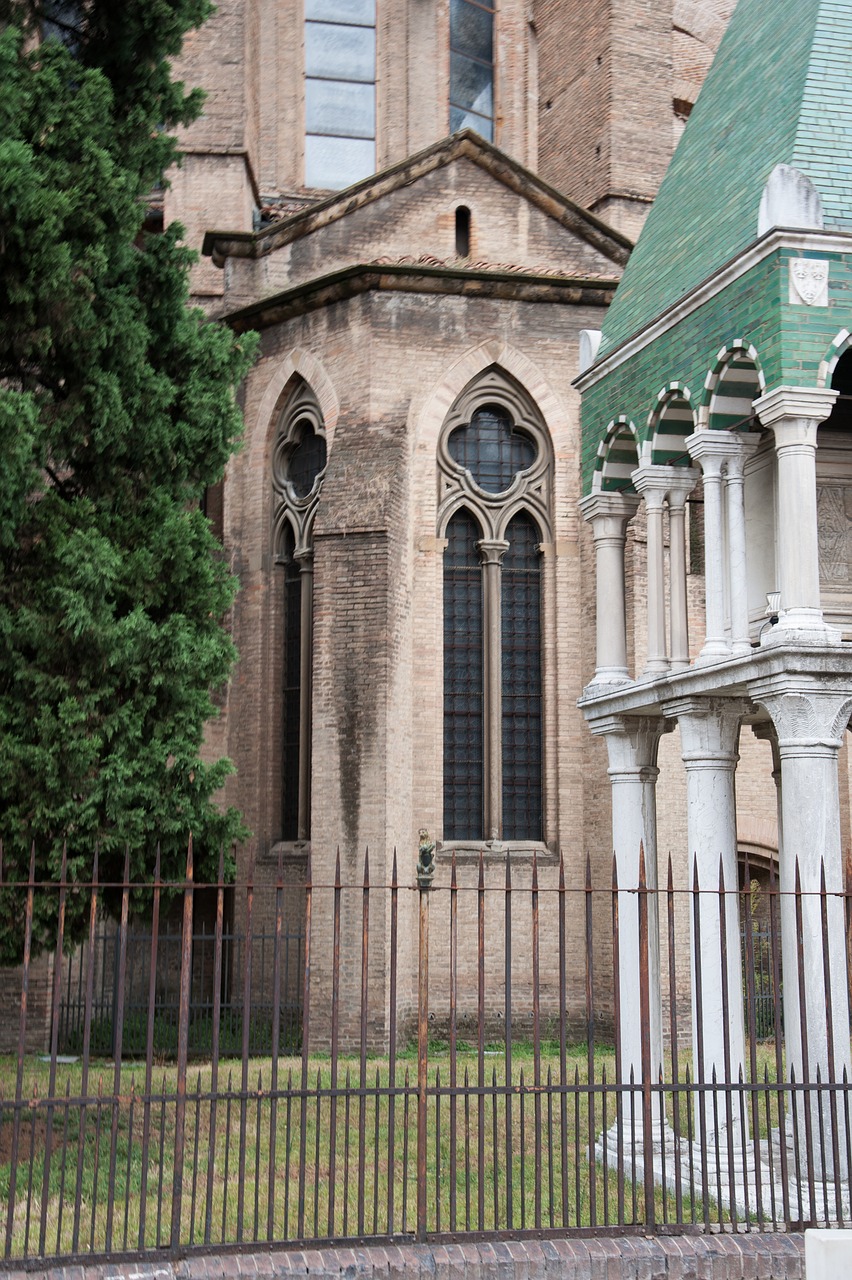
column 491, row 448
column 298, row 467
column 494, row 457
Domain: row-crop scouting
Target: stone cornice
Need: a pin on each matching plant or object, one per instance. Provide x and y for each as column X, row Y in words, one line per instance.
column 772, row 242
column 368, row 277
column 221, row 245
column 731, row 678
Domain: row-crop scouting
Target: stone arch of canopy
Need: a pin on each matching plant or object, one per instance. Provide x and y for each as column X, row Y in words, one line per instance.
column 731, row 387
column 669, row 423
column 617, row 457
column 841, row 343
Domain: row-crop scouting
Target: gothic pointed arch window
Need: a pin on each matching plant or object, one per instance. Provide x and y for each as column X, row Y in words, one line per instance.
column 494, row 464
column 297, row 472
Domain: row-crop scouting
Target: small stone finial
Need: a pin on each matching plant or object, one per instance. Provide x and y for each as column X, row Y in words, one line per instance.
column 425, row 860
column 790, row 200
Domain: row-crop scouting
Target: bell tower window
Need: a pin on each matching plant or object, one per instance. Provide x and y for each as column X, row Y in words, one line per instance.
column 340, row 92
column 472, row 66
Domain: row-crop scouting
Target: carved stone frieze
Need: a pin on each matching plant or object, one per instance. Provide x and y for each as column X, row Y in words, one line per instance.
column 834, row 518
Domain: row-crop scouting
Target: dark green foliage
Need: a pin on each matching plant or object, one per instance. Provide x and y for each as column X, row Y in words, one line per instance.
column 117, row 409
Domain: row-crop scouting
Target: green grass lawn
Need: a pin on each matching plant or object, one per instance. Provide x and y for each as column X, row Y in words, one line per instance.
column 338, row 1159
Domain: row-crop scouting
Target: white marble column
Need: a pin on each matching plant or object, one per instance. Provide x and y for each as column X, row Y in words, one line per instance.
column 609, row 515
column 794, row 414
column 709, row 733
column 492, row 553
column 651, row 481
column 711, row 449
column 810, row 715
column 744, row 445
column 632, row 743
column 682, row 480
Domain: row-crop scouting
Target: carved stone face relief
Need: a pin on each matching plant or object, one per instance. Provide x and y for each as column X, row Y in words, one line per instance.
column 809, row 282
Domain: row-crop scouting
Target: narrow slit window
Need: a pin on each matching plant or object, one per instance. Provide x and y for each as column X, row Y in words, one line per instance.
column 462, row 232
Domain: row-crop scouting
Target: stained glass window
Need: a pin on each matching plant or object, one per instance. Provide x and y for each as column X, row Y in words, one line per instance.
column 463, row 682
column 306, row 460
column 492, row 449
column 340, row 92
column 292, row 690
column 472, row 66
column 521, row 681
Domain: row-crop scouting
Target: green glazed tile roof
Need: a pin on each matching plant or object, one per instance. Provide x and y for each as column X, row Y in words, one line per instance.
column 779, row 91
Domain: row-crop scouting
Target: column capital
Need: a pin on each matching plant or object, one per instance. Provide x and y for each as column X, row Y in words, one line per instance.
column 652, row 481
column 747, row 442
column 632, row 742
column 809, row 716
column 305, row 559
column 712, row 450
column 709, row 729
column 784, row 405
column 682, row 481
column 492, row 549
column 599, row 507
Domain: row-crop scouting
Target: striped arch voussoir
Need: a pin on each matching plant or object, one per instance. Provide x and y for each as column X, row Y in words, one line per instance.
column 733, row 385
column 617, row 457
column 838, row 348
column 669, row 423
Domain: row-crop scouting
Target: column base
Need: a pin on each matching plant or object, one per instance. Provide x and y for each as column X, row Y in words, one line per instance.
column 610, row 675
column 802, row 627
column 713, row 651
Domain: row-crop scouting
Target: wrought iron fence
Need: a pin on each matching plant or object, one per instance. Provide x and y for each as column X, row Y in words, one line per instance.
column 507, row 1049
column 141, row 954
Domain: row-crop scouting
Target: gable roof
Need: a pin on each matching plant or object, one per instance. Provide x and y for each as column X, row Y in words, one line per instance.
column 777, row 93
column 221, row 245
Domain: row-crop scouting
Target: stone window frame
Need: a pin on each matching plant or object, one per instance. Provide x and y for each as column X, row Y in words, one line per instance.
column 297, row 514
column 531, row 491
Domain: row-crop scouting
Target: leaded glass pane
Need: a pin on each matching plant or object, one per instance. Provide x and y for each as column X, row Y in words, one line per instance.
column 471, row 30
column 340, row 53
column 521, row 682
column 361, row 13
column 471, row 85
column 342, row 109
column 461, row 119
column 306, row 460
column 492, row 449
column 334, row 163
column 463, row 682
column 291, row 691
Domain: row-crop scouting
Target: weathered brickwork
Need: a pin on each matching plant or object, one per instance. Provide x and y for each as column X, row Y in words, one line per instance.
column 711, row 1257
column 584, row 96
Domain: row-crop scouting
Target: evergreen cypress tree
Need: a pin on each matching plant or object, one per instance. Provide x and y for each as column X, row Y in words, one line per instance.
column 117, row 410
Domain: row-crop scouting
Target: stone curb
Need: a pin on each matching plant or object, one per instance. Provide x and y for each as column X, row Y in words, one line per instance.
column 772, row 1256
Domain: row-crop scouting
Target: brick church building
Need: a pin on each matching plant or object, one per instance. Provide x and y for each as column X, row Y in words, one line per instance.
column 424, row 208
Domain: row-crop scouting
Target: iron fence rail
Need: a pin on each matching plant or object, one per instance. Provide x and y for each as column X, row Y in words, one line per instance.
column 106, row 945
column 461, row 1071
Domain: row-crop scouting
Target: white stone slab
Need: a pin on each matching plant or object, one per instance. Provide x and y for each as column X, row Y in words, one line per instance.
column 828, row 1254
